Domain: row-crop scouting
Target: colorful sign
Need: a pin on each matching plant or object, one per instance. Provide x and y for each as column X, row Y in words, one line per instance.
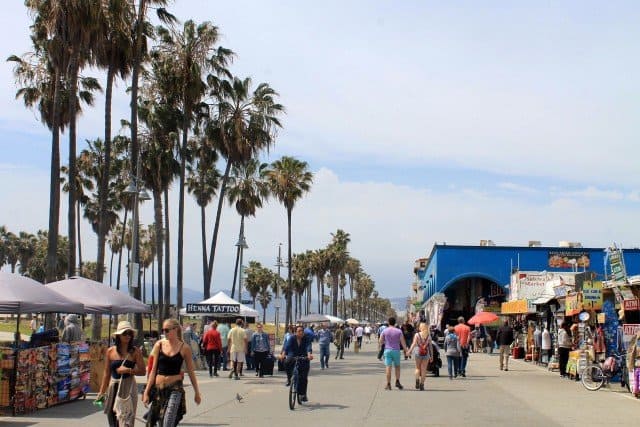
column 573, row 304
column 618, row 272
column 628, row 331
column 631, row 305
column 569, row 259
column 592, row 295
column 518, row 306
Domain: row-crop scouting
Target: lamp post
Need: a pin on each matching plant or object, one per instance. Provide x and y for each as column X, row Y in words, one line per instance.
column 279, row 264
column 242, row 245
column 139, row 194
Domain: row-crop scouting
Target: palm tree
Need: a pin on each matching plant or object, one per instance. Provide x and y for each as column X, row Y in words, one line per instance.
column 264, row 297
column 113, row 52
column 248, row 188
column 115, row 246
column 3, row 248
column 245, row 125
column 338, row 257
column 12, row 250
column 26, row 250
column 319, row 267
column 191, row 55
column 203, row 180
column 254, row 280
column 352, row 269
column 289, row 179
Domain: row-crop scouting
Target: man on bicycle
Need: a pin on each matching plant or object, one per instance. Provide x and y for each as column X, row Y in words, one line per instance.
column 298, row 345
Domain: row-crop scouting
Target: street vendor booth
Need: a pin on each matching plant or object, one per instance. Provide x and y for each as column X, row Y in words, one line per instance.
column 35, row 378
column 221, row 307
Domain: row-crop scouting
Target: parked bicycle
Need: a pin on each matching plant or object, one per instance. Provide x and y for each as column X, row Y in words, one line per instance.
column 293, row 388
column 595, row 375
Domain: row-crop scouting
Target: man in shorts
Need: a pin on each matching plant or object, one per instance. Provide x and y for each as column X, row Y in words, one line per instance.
column 237, row 348
column 392, row 339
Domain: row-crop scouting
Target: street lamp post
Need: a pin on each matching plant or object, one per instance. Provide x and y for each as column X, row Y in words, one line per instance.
column 242, row 245
column 279, row 264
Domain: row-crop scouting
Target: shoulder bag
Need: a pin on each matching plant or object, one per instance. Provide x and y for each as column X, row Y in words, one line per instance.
column 123, row 405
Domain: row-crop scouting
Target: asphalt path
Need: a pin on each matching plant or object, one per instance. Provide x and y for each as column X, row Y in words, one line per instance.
column 351, row 393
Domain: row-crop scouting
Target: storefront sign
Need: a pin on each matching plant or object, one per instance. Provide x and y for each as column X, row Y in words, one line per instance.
column 519, row 306
column 569, row 259
column 592, row 295
column 573, row 304
column 214, row 308
column 618, row 272
column 560, row 291
column 629, row 330
column 602, row 317
column 631, row 305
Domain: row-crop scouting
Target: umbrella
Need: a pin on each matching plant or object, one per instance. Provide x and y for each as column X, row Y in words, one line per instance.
column 352, row 321
column 313, row 318
column 483, row 317
column 20, row 294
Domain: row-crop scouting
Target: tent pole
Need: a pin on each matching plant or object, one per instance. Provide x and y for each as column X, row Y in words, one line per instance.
column 16, row 336
column 109, row 336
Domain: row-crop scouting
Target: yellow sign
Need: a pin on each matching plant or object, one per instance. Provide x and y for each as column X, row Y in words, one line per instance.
column 592, row 295
column 518, row 306
column 601, row 318
column 573, row 304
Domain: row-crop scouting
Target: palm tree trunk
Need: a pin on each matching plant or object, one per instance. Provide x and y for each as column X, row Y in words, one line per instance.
column 214, row 238
column 111, row 270
column 203, row 232
column 153, row 280
column 73, row 172
column 103, row 188
column 264, row 314
column 334, row 294
column 351, row 295
column 319, row 285
column 235, row 270
column 124, row 229
column 289, row 290
column 54, row 189
column 80, row 272
column 157, row 217
column 167, row 262
column 183, row 163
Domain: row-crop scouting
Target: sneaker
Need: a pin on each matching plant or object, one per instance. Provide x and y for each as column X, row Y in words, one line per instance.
column 257, row 374
column 421, row 386
column 398, row 385
column 417, row 384
column 463, row 375
column 303, row 398
column 288, row 383
column 388, row 387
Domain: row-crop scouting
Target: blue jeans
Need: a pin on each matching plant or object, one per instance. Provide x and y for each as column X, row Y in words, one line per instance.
column 324, row 356
column 463, row 360
column 224, row 357
column 171, row 413
column 452, row 365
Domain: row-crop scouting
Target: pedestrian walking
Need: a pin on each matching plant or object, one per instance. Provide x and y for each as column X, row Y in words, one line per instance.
column 464, row 335
column 504, row 339
column 422, row 353
column 359, row 333
column 123, row 361
column 452, row 350
column 237, row 349
column 325, row 338
column 564, row 347
column 260, row 349
column 212, row 344
column 224, row 329
column 339, row 342
column 168, row 403
column 393, row 340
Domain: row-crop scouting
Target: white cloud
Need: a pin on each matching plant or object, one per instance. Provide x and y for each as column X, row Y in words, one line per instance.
column 517, row 188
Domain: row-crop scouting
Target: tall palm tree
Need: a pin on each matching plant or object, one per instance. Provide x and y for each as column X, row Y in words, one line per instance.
column 289, row 179
column 12, row 250
column 203, row 180
column 338, row 257
column 115, row 246
column 319, row 266
column 191, row 55
column 264, row 297
column 244, row 126
column 247, row 188
column 255, row 279
column 114, row 53
column 352, row 269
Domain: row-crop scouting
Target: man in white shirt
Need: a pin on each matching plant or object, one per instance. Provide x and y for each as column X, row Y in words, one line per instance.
column 359, row 332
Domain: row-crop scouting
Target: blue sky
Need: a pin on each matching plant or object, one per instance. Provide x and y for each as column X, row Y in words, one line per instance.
column 423, row 121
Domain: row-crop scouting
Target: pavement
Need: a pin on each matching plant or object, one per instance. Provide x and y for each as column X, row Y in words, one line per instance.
column 351, row 393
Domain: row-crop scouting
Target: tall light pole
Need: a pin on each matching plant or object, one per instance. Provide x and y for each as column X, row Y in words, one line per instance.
column 139, row 194
column 279, row 264
column 242, row 245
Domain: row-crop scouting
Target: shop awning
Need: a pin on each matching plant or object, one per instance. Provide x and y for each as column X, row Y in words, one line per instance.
column 543, row 299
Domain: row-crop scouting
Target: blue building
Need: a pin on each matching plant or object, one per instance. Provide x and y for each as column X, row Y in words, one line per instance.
column 464, row 274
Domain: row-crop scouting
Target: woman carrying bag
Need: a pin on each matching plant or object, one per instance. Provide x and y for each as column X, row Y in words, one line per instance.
column 119, row 390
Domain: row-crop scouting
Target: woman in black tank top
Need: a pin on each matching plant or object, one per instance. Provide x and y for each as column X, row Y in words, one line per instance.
column 168, row 404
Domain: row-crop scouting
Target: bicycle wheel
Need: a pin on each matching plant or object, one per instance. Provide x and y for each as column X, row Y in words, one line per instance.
column 293, row 392
column 592, row 377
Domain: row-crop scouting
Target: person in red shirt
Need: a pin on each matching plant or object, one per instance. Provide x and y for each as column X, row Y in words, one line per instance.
column 464, row 335
column 212, row 344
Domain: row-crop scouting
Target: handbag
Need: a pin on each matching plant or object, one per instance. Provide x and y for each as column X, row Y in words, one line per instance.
column 123, row 404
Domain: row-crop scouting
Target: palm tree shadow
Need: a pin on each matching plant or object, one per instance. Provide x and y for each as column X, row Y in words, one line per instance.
column 316, row 406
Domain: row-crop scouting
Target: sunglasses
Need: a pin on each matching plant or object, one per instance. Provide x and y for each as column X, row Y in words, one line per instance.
column 167, row 330
column 128, row 333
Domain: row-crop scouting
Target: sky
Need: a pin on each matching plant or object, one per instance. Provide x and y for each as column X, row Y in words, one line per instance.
column 422, row 122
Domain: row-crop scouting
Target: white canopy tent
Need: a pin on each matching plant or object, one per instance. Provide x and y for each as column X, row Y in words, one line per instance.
column 223, row 300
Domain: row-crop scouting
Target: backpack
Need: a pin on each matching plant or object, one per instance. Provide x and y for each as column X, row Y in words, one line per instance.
column 423, row 349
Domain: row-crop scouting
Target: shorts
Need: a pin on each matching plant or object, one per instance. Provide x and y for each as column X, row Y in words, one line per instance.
column 237, row 356
column 391, row 357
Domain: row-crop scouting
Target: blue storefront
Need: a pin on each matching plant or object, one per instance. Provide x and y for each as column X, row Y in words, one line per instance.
column 465, row 274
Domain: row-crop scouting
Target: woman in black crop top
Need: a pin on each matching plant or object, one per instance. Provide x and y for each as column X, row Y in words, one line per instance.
column 168, row 405
column 122, row 363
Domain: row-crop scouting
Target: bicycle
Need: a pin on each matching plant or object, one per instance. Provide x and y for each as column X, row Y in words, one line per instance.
column 594, row 376
column 293, row 387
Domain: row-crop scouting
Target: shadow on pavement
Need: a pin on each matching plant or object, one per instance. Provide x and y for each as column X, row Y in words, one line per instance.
column 316, row 406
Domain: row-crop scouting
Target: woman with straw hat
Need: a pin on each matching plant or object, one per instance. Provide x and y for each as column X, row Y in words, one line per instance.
column 123, row 361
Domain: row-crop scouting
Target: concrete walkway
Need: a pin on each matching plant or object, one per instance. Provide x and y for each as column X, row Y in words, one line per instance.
column 351, row 393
